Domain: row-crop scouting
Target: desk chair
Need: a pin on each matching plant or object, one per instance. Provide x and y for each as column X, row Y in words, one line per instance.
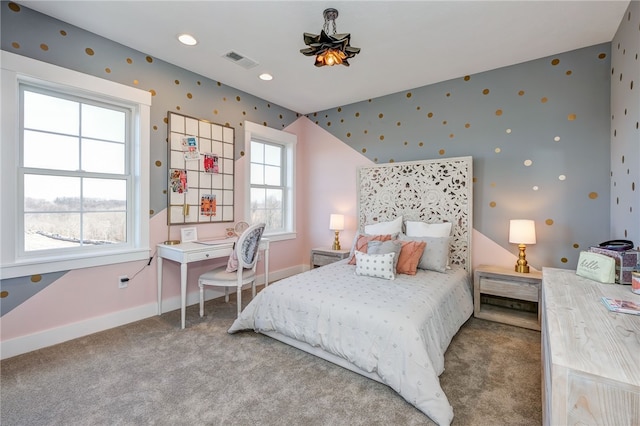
column 240, row 270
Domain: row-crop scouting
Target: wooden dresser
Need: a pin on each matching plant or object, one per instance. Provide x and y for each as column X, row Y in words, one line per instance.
column 590, row 356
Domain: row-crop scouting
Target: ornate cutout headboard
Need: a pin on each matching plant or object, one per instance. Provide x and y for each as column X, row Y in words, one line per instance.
column 429, row 191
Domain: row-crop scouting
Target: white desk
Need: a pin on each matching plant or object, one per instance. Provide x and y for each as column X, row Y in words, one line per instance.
column 194, row 252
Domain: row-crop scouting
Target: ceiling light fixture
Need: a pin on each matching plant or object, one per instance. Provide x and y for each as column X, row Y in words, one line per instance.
column 266, row 76
column 328, row 49
column 187, row 39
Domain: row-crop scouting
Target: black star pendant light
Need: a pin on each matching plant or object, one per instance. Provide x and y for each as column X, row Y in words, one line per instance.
column 328, row 49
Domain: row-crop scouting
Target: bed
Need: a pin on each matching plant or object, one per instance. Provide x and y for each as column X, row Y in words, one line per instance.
column 395, row 331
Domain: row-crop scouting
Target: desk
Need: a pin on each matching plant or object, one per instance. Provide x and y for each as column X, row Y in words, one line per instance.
column 186, row 253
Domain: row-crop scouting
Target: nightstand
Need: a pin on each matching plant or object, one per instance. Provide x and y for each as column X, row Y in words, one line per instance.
column 510, row 287
column 325, row 256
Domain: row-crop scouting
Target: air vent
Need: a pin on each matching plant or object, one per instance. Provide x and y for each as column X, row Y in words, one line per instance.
column 239, row 59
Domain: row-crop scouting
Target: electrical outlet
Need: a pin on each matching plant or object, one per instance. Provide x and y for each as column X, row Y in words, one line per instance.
column 123, row 281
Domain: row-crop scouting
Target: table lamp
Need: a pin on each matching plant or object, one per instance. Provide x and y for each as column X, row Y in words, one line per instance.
column 336, row 223
column 521, row 232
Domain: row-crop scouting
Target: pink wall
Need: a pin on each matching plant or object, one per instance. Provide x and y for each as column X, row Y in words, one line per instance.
column 326, row 183
column 85, row 294
column 330, row 167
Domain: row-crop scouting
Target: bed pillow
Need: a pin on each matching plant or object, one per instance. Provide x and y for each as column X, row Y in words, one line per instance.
column 423, row 229
column 360, row 244
column 410, row 257
column 436, row 254
column 232, row 263
column 375, row 265
column 391, row 227
column 383, row 247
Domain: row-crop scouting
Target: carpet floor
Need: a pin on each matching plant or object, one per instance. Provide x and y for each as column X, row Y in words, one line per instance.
column 153, row 373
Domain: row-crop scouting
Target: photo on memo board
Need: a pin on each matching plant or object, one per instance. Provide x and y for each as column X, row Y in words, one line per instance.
column 208, row 205
column 190, row 148
column 178, row 181
column 210, row 163
column 200, row 168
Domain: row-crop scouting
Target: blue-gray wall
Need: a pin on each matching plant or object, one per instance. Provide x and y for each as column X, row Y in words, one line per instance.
column 502, row 118
column 538, row 133
column 625, row 127
column 29, row 33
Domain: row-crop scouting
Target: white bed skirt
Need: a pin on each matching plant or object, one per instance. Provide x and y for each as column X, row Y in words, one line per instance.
column 316, row 351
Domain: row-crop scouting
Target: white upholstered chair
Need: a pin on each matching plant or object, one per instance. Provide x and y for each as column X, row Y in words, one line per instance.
column 246, row 254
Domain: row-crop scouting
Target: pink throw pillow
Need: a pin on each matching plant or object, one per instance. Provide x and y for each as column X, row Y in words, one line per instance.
column 361, row 244
column 410, row 257
column 232, row 263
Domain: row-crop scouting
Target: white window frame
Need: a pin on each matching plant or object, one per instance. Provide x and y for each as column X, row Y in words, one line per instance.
column 17, row 69
column 288, row 141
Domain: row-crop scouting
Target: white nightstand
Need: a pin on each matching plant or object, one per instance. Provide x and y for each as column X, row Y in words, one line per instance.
column 325, row 256
column 503, row 282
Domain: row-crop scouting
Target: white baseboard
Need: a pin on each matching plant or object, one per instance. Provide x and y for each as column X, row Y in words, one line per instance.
column 31, row 342
column 23, row 344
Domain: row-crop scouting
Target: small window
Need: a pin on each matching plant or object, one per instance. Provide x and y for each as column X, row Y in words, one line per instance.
column 271, row 169
column 267, row 185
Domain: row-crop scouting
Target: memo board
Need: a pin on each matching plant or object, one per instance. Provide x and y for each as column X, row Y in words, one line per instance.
column 427, row 191
column 200, row 171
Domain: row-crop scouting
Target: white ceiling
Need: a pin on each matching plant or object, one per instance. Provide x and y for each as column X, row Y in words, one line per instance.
column 404, row 44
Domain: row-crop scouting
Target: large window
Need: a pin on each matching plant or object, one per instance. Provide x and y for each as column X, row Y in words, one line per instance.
column 73, row 172
column 271, row 178
column 76, row 160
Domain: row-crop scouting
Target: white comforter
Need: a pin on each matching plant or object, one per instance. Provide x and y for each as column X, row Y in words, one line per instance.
column 398, row 329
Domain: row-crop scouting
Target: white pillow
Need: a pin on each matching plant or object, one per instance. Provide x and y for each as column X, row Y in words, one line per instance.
column 375, row 265
column 436, row 254
column 422, row 229
column 391, row 227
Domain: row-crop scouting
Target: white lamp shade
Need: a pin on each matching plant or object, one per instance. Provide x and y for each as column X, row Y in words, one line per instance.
column 522, row 231
column 336, row 222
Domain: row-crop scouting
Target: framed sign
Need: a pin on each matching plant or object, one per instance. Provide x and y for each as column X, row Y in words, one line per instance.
column 188, row 235
column 201, row 169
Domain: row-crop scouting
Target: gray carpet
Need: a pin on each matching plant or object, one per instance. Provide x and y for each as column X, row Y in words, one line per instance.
column 151, row 372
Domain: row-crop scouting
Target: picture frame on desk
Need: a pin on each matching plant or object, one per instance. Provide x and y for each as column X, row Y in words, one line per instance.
column 188, row 235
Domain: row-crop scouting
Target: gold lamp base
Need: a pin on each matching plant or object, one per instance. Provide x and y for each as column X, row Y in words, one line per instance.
column 336, row 242
column 521, row 264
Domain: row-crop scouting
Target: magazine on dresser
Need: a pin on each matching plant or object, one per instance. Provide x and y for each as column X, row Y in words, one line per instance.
column 623, row 306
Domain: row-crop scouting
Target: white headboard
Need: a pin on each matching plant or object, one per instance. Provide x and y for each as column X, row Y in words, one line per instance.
column 429, row 191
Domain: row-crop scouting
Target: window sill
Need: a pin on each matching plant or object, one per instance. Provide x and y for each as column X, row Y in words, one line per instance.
column 281, row 236
column 26, row 268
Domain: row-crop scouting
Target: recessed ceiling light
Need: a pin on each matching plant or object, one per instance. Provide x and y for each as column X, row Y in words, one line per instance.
column 187, row 39
column 266, row 77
